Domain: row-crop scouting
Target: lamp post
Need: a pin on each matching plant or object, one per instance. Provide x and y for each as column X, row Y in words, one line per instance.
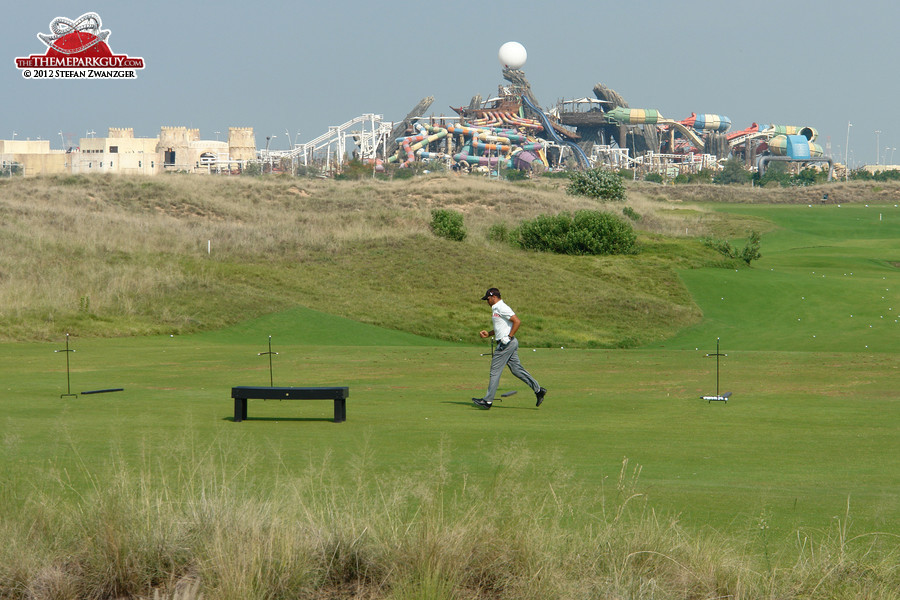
column 62, row 139
column 847, row 151
column 877, row 147
column 892, row 155
column 294, row 154
column 269, row 137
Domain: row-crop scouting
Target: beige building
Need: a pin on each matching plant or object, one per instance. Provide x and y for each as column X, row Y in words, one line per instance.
column 175, row 149
column 181, row 149
column 878, row 168
column 120, row 152
column 32, row 157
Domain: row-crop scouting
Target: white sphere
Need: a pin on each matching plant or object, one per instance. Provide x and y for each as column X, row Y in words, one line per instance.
column 512, row 55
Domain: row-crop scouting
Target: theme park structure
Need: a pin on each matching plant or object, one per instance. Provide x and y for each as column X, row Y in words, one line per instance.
column 512, row 131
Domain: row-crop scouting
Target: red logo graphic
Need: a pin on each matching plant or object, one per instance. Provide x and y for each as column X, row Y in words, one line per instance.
column 78, row 49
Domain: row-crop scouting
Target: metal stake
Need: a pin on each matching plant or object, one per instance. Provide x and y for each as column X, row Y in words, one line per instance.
column 270, row 353
column 718, row 396
column 68, row 380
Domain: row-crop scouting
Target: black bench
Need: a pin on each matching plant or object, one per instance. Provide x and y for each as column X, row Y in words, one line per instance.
column 243, row 393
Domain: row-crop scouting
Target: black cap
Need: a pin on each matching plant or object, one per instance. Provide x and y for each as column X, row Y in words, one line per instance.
column 491, row 292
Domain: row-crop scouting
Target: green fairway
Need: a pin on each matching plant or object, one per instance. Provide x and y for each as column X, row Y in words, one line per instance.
column 803, row 433
column 811, row 427
column 827, row 282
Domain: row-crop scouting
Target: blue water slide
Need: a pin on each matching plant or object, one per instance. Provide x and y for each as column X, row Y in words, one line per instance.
column 548, row 127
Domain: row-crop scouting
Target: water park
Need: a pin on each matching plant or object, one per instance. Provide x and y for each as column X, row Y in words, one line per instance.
column 512, row 131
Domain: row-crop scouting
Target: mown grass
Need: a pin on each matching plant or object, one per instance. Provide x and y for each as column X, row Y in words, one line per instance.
column 827, row 282
column 789, row 488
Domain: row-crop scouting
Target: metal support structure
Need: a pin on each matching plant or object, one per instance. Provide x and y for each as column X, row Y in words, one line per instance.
column 369, row 133
column 762, row 161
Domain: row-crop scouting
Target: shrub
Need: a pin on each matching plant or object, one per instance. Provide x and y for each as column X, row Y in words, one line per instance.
column 448, row 224
column 776, row 175
column 354, row 171
column 631, row 213
column 702, row 176
column 653, row 178
column 555, row 174
column 515, row 175
column 252, row 169
column 586, row 232
column 434, row 166
column 596, row 183
column 749, row 252
column 498, row 232
column 397, row 173
column 732, row 172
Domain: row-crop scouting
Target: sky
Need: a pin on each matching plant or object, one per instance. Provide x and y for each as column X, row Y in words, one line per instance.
column 291, row 69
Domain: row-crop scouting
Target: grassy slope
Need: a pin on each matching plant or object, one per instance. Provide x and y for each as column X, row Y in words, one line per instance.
column 120, row 256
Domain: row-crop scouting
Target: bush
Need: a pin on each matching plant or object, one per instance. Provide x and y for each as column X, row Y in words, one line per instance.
column 448, row 224
column 354, row 171
column 631, row 213
column 749, row 253
column 596, row 183
column 555, row 174
column 864, row 175
column 732, row 172
column 252, row 169
column 498, row 232
column 776, row 175
column 402, row 174
column 653, row 178
column 586, row 232
column 515, row 175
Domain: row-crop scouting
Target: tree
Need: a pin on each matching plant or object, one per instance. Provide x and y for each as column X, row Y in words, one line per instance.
column 596, row 183
column 732, row 172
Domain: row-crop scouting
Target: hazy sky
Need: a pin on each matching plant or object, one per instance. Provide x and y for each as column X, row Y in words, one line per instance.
column 286, row 67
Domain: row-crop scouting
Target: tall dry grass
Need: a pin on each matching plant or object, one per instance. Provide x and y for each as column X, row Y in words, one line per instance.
column 131, row 255
column 194, row 523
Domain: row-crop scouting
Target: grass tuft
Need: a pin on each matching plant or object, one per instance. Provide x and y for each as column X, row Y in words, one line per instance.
column 205, row 528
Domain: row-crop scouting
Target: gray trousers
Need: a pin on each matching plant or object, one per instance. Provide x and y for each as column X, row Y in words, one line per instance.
column 508, row 355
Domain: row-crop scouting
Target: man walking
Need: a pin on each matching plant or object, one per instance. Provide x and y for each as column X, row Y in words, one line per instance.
column 506, row 324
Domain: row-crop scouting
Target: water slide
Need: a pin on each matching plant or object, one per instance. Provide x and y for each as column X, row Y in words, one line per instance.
column 548, row 127
column 519, row 150
column 687, row 132
column 410, row 144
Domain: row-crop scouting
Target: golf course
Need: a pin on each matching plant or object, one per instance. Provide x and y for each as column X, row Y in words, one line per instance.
column 625, row 483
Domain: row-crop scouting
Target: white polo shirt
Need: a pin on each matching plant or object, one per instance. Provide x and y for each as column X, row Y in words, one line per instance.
column 500, row 316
